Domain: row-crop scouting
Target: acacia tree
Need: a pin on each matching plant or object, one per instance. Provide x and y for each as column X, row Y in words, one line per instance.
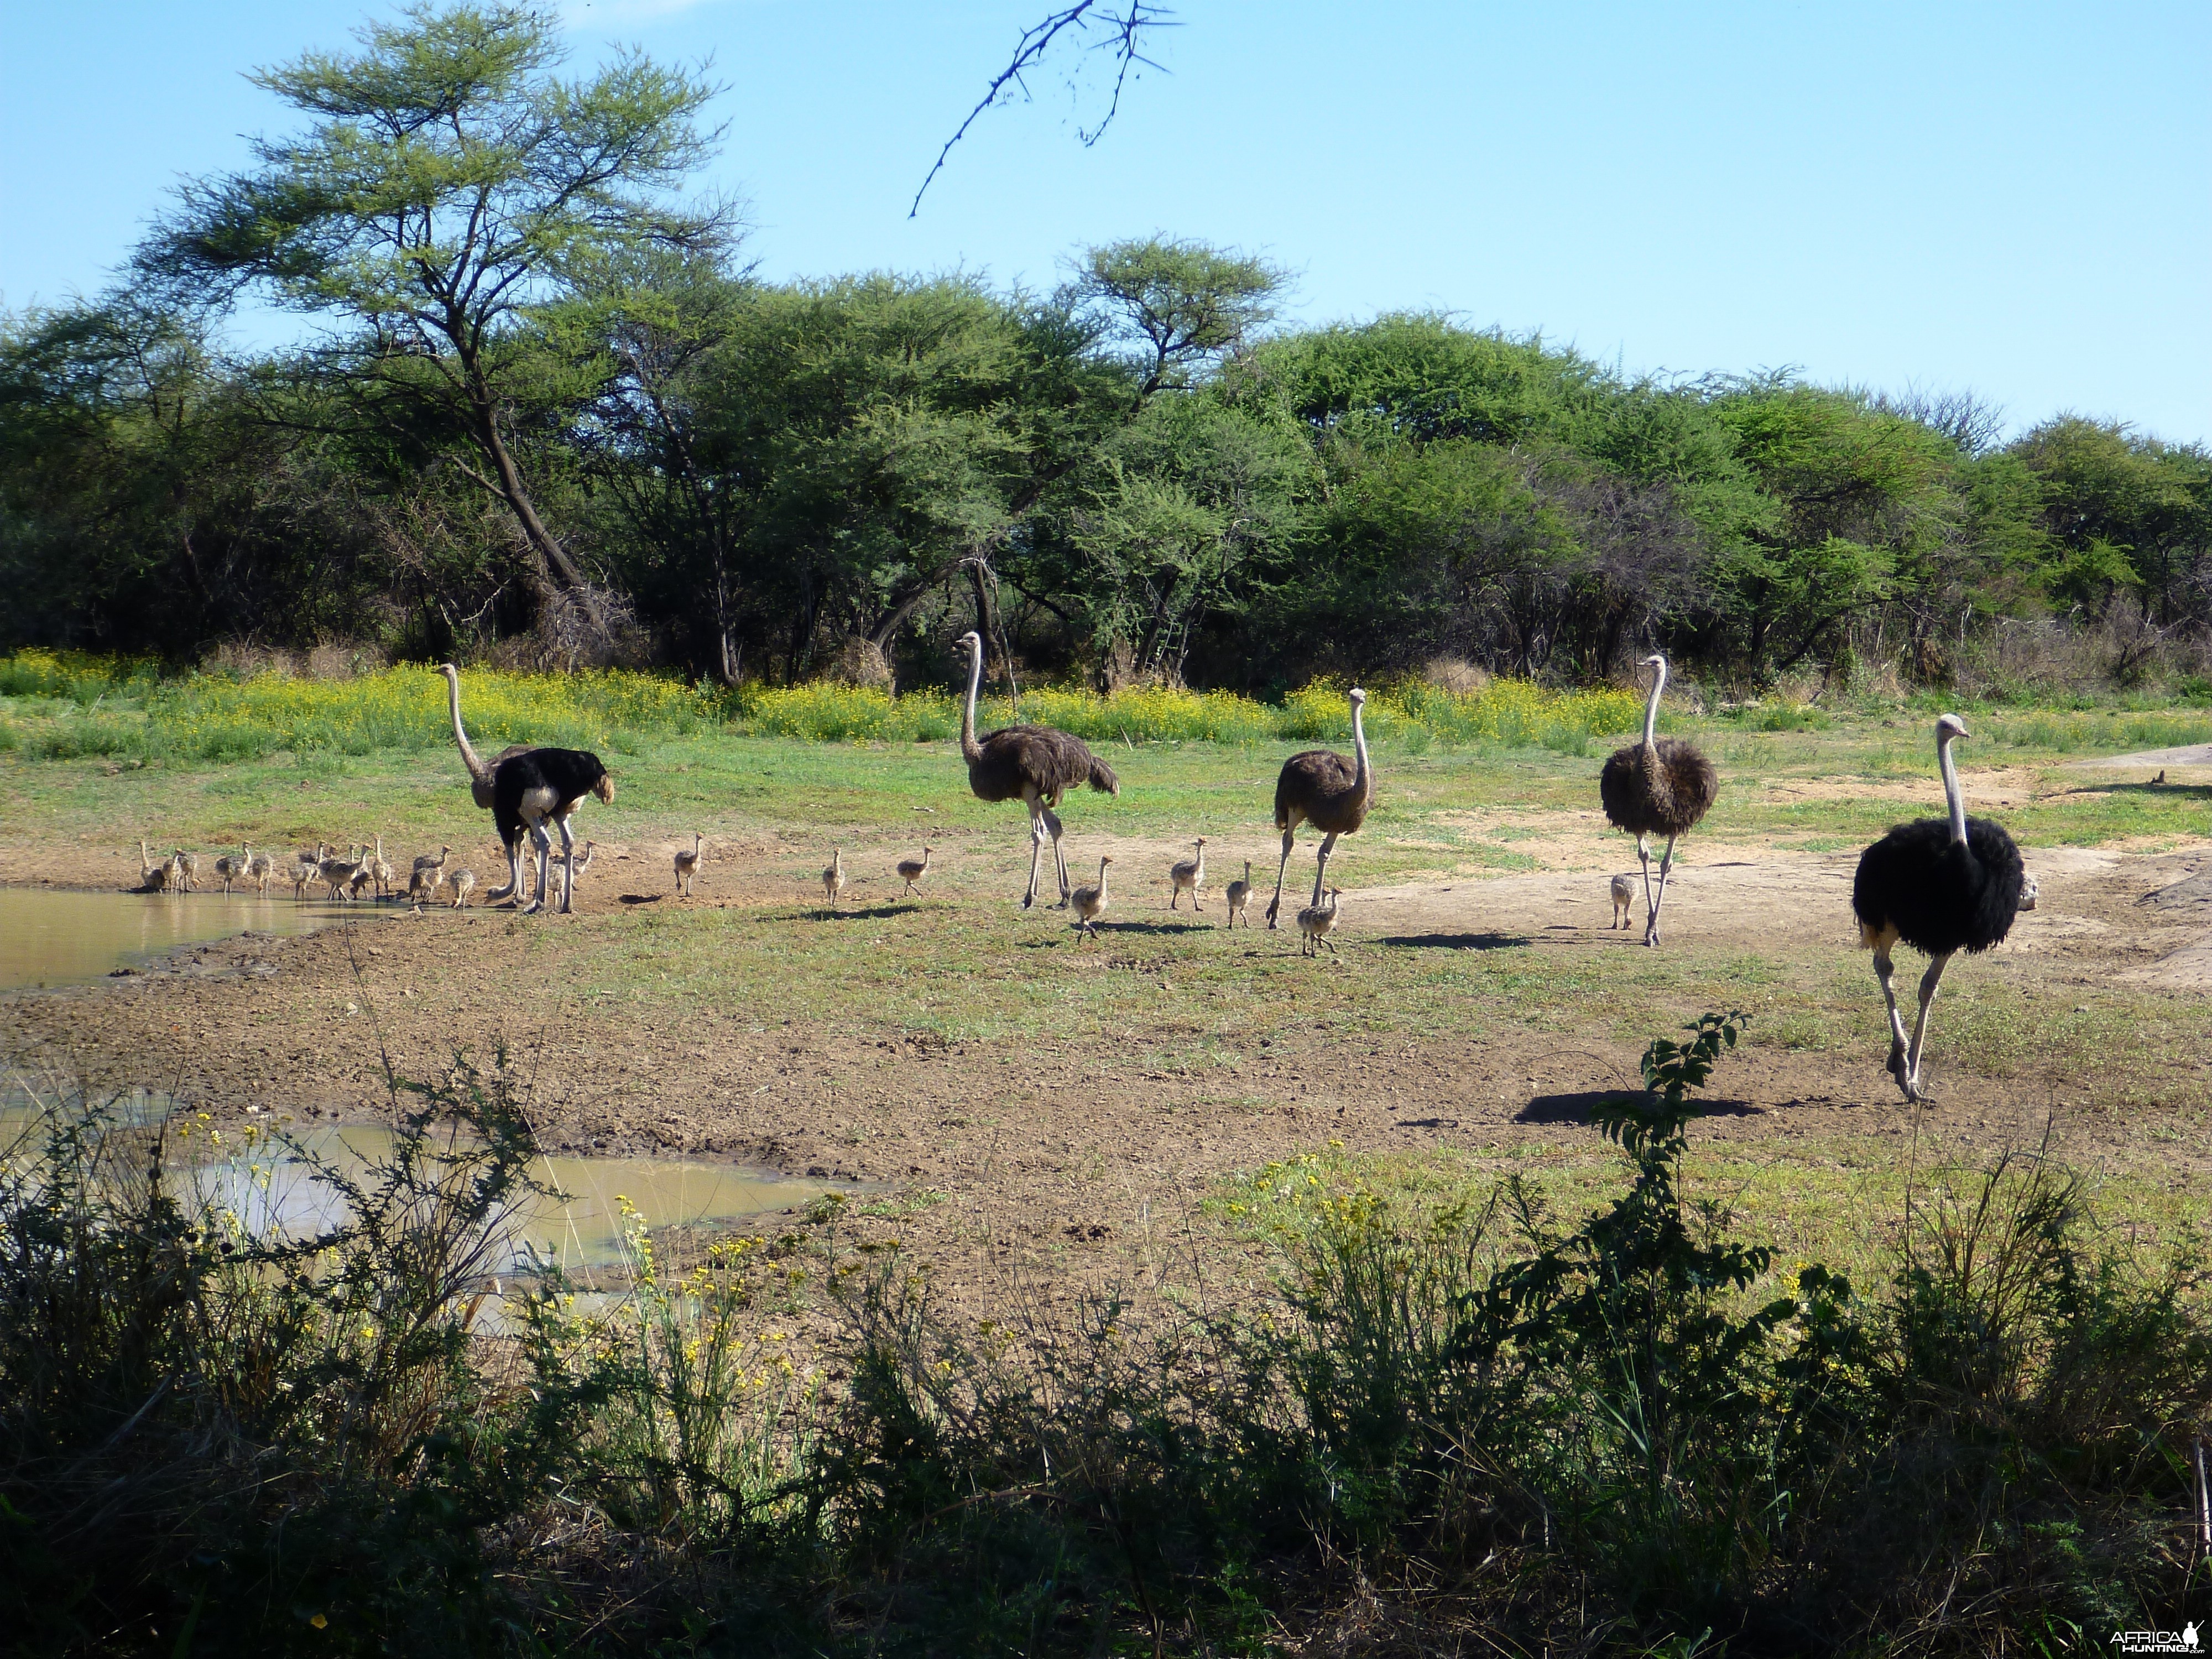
column 1179, row 307
column 447, row 185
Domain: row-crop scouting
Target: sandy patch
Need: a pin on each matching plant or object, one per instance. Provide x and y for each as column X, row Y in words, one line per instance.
column 2191, row 755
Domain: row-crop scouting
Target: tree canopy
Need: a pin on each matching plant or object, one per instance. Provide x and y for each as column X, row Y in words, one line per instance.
column 551, row 410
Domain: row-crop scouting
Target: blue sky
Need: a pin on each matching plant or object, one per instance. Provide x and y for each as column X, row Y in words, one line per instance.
column 2012, row 198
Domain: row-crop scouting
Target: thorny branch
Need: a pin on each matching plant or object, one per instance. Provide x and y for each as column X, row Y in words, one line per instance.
column 1124, row 31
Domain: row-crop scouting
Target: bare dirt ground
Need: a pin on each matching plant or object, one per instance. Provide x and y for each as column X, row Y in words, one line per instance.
column 1064, row 1161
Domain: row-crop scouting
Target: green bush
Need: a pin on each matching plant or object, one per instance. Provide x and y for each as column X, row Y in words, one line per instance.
column 1627, row 1432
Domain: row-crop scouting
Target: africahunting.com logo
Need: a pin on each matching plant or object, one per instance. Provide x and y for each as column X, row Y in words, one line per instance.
column 2185, row 1640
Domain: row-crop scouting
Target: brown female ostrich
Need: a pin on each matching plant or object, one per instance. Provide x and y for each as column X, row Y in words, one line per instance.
column 1660, row 786
column 1033, row 764
column 1323, row 789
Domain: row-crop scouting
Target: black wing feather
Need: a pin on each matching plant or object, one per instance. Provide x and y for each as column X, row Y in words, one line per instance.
column 1940, row 897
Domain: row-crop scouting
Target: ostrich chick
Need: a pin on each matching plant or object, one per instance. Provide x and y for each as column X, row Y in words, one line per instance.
column 911, row 871
column 382, row 872
column 833, row 878
column 686, row 864
column 259, row 867
column 432, row 864
column 339, row 873
column 231, row 868
column 1190, row 874
column 559, row 873
column 307, row 872
column 188, row 868
column 153, row 877
column 464, row 883
column 1317, row 921
column 1623, row 900
column 1240, row 895
column 1090, row 903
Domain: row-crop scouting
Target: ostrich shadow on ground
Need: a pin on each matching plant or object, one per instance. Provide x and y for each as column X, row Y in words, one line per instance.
column 869, row 913
column 642, row 898
column 1458, row 941
column 1583, row 1107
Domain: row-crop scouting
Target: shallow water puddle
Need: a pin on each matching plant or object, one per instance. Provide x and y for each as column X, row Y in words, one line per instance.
column 583, row 1228
column 50, row 937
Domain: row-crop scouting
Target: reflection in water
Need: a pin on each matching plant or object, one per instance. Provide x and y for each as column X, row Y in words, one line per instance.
column 581, row 1229
column 275, row 1189
column 59, row 938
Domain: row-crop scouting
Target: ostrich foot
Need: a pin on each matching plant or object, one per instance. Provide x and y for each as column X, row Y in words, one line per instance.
column 1907, row 1084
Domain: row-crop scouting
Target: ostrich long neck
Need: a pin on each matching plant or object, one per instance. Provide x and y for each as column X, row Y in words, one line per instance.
column 970, row 748
column 1951, row 795
column 1361, row 778
column 1651, row 708
column 477, row 770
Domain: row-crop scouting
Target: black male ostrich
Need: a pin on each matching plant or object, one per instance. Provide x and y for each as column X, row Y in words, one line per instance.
column 1941, row 885
column 531, row 787
column 1323, row 789
column 481, row 770
column 1033, row 764
column 1659, row 786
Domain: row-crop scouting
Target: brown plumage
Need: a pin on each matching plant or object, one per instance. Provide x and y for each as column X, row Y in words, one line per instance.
column 911, row 871
column 1240, row 894
column 1656, row 787
column 1323, row 789
column 1033, row 764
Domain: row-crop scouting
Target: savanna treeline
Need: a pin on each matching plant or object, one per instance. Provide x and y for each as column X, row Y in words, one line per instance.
column 543, row 412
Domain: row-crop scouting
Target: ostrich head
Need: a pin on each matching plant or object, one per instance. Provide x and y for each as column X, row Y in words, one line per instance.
column 1950, row 727
column 449, row 671
column 1356, row 696
column 971, row 639
column 1201, row 840
column 604, row 788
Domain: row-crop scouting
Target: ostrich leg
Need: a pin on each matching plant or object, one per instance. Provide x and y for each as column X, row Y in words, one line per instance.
column 1927, row 983
column 1320, row 866
column 1036, row 845
column 1275, row 904
column 1059, row 857
column 514, row 888
column 1651, row 918
column 1884, row 969
column 544, row 844
column 568, row 872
